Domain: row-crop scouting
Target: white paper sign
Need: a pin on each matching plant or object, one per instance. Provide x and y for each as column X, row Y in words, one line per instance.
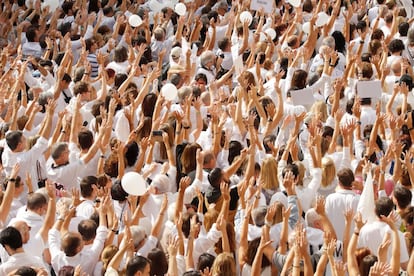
column 369, row 89
column 267, row 5
column 302, row 96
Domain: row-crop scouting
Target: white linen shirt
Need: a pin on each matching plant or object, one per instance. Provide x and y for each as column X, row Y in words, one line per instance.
column 66, row 175
column 20, row 259
column 87, row 258
column 372, row 234
column 336, row 204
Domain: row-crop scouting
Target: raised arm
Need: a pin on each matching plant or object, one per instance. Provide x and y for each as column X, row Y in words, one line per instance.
column 156, row 229
column 353, row 269
column 243, row 246
column 9, row 193
column 51, row 211
column 395, row 257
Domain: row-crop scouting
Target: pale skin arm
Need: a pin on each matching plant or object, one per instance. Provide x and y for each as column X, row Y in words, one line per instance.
column 51, row 211
column 8, row 195
column 353, row 269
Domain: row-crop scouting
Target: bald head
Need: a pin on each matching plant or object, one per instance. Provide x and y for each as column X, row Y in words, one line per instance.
column 23, row 228
column 396, row 67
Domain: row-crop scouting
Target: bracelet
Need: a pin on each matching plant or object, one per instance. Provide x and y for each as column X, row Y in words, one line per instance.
column 356, row 233
column 186, row 127
column 359, row 122
column 48, row 49
column 361, row 41
column 115, row 231
column 12, row 180
column 332, row 65
column 102, row 156
column 62, row 131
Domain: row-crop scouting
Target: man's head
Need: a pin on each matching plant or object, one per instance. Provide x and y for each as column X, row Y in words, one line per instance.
column 209, row 160
column 23, row 228
column 138, row 236
column 85, row 139
column 138, row 266
column 87, row 229
column 82, row 88
column 346, row 178
column 383, row 206
column 32, row 34
column 15, row 141
column 11, row 239
column 160, row 184
column 88, row 187
column 401, row 196
column 72, row 244
column 60, row 153
column 313, row 219
column 37, row 203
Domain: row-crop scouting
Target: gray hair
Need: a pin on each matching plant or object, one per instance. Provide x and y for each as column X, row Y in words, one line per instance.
column 329, row 41
column 259, row 215
column 138, row 234
column 206, row 57
column 184, row 92
column 310, row 217
column 58, row 149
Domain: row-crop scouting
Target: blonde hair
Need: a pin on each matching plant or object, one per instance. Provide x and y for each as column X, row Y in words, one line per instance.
column 107, row 254
column 268, row 174
column 320, row 109
column 224, row 265
column 210, row 218
column 328, row 171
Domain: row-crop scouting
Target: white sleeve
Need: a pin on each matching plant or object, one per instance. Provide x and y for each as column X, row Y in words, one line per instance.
column 346, row 158
column 359, row 149
column 222, row 159
column 190, row 192
column 180, row 264
column 122, row 128
column 149, row 244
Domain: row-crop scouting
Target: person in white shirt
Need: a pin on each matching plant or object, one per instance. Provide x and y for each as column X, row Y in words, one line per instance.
column 32, row 46
column 344, row 198
column 89, row 191
column 16, row 152
column 11, row 240
column 39, row 216
column 372, row 234
column 70, row 249
column 59, row 169
column 143, row 244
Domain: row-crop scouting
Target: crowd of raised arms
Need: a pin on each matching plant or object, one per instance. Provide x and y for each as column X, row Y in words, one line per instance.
column 213, row 138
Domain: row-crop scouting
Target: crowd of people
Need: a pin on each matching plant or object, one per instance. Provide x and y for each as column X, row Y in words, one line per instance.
column 271, row 141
